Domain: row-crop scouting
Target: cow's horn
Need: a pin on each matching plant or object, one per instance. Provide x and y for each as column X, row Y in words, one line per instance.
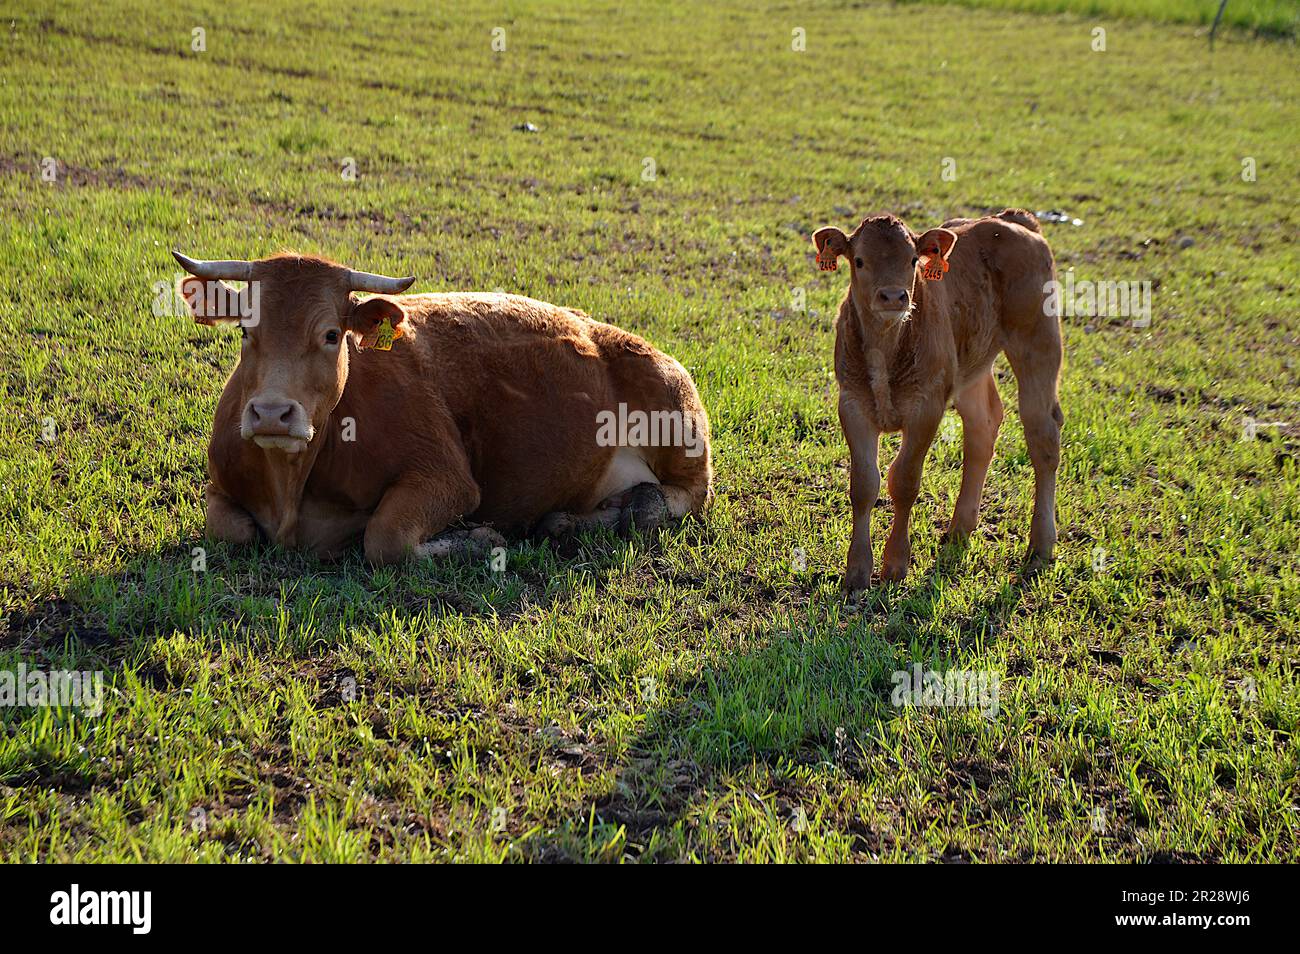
column 235, row 270
column 380, row 284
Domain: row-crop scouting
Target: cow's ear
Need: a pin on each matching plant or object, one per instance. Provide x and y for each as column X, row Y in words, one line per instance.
column 213, row 302
column 936, row 243
column 377, row 322
column 831, row 244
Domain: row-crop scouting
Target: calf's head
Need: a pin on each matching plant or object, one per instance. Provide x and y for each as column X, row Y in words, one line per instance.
column 296, row 315
column 885, row 258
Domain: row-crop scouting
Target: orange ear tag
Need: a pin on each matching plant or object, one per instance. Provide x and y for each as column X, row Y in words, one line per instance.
column 827, row 260
column 384, row 336
column 933, row 266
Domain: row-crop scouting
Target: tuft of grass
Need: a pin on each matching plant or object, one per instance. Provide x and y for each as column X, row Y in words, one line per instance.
column 703, row 695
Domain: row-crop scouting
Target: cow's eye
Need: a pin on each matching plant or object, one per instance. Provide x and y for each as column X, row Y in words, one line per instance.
column 243, row 331
column 331, row 337
column 857, row 262
column 915, row 260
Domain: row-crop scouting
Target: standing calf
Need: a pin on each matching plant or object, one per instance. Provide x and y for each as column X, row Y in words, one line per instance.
column 919, row 327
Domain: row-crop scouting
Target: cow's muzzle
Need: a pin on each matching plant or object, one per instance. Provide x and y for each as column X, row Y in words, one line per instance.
column 274, row 423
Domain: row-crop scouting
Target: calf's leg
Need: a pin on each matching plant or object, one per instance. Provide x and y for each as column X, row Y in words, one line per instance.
column 864, row 488
column 1036, row 360
column 904, row 485
column 980, row 408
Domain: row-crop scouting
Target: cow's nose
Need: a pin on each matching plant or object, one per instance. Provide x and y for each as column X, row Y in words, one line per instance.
column 272, row 413
column 893, row 298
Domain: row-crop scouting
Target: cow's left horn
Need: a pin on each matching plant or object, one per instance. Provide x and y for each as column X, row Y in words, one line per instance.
column 235, row 270
column 380, row 284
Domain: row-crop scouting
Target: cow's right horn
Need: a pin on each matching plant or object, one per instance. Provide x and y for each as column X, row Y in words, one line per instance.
column 232, row 269
column 379, row 284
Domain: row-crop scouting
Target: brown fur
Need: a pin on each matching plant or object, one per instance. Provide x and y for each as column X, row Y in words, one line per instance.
column 484, row 409
column 900, row 373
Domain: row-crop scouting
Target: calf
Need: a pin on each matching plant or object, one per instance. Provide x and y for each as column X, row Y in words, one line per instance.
column 919, row 328
column 391, row 418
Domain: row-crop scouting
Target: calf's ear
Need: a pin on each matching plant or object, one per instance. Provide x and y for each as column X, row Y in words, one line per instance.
column 936, row 243
column 213, row 302
column 831, row 244
column 371, row 321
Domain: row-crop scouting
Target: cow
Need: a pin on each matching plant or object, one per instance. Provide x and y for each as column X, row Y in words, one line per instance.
column 394, row 417
column 920, row 325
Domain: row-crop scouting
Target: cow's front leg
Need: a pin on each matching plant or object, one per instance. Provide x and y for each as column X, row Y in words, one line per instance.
column 864, row 488
column 225, row 520
column 904, row 484
column 411, row 512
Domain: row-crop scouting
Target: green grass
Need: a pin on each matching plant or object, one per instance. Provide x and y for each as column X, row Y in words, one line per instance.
column 697, row 695
column 1268, row 17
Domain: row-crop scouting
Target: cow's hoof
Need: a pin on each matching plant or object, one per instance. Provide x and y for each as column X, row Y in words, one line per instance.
column 483, row 540
column 450, row 543
column 556, row 525
column 646, row 510
column 461, row 543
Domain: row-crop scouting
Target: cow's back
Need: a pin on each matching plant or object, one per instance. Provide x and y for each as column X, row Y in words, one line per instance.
column 525, row 381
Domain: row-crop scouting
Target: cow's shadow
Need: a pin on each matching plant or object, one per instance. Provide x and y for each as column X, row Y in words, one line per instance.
column 265, row 600
column 198, row 583
column 816, row 688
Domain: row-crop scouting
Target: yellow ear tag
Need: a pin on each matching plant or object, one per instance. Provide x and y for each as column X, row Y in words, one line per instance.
column 384, row 336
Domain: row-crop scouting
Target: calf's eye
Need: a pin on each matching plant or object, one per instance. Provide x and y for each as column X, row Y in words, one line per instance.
column 857, row 262
column 331, row 337
column 915, row 260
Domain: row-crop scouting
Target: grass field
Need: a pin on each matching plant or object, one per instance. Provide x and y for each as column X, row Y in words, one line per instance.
column 702, row 695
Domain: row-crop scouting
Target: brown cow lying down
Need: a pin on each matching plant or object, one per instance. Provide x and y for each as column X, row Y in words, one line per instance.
column 911, row 339
column 393, row 417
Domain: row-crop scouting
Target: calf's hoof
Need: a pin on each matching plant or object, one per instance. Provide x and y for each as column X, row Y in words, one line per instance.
column 893, row 571
column 955, row 538
column 1035, row 562
column 646, row 509
column 856, row 581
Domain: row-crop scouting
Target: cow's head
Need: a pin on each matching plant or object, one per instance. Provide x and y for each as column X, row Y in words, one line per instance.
column 884, row 258
column 296, row 315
